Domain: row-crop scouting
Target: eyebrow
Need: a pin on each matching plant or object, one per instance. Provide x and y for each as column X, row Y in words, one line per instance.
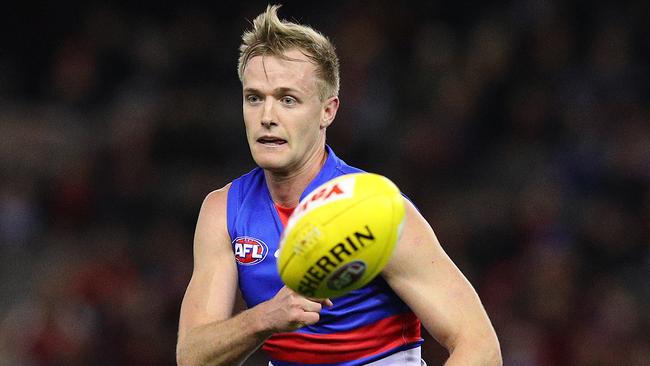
column 276, row 91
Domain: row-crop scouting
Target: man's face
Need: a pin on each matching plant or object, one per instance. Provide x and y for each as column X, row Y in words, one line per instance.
column 284, row 116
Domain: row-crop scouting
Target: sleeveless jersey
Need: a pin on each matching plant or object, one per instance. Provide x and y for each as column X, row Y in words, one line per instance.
column 363, row 326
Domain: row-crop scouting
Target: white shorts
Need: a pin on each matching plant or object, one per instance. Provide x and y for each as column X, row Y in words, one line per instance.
column 409, row 357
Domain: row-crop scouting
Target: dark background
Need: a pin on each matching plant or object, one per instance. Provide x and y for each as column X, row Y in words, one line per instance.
column 520, row 129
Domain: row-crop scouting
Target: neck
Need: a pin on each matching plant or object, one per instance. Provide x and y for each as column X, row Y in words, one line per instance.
column 286, row 189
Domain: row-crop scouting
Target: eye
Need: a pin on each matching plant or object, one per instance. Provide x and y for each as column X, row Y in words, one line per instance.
column 288, row 100
column 253, row 99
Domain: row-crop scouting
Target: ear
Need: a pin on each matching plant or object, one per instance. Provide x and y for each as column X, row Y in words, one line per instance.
column 328, row 113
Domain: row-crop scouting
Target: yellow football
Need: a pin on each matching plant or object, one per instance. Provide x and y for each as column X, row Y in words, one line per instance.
column 341, row 235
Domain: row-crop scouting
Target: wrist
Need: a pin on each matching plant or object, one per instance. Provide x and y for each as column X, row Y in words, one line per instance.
column 257, row 322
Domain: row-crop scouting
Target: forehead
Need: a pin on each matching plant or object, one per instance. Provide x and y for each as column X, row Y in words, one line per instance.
column 268, row 71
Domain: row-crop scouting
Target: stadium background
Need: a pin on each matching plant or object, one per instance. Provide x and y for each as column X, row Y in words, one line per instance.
column 519, row 128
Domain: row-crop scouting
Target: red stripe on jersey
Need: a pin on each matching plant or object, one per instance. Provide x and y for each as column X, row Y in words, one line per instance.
column 284, row 213
column 366, row 341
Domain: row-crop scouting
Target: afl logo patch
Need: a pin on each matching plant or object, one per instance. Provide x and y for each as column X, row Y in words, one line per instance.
column 249, row 251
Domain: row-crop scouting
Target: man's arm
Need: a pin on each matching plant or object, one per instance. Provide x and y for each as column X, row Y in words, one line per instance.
column 208, row 332
column 424, row 277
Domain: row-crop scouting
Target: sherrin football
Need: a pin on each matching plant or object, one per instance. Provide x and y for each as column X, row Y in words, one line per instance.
column 341, row 235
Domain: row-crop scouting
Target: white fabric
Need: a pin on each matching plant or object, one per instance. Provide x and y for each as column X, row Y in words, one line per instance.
column 409, row 357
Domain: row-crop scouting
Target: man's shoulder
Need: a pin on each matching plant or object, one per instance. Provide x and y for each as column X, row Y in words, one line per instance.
column 339, row 165
column 249, row 177
column 236, row 184
column 250, row 184
column 348, row 169
column 217, row 199
column 342, row 168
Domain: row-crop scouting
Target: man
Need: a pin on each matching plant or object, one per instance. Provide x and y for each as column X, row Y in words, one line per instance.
column 289, row 75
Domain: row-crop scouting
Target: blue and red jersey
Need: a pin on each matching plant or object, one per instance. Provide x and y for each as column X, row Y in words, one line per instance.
column 363, row 326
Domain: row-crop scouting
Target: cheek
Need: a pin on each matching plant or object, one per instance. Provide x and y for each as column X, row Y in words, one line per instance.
column 307, row 131
column 311, row 121
column 247, row 122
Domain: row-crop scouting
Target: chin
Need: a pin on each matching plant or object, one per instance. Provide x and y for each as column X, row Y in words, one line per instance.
column 271, row 163
column 269, row 158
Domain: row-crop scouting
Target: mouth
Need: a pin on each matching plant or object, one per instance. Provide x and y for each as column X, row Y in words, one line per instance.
column 271, row 141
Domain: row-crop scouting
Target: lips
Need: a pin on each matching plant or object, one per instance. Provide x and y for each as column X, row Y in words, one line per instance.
column 271, row 140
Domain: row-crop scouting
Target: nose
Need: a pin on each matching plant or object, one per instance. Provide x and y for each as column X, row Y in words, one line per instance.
column 268, row 116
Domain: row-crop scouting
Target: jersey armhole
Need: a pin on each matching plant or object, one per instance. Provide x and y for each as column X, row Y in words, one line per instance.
column 232, row 207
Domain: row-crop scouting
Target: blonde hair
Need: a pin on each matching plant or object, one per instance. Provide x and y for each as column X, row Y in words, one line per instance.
column 272, row 36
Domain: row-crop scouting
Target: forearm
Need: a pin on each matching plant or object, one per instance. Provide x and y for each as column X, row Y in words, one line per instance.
column 227, row 342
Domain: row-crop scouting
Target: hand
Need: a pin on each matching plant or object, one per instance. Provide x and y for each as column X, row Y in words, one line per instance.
column 288, row 311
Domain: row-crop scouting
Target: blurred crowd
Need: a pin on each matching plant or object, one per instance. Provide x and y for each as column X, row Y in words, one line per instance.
column 519, row 128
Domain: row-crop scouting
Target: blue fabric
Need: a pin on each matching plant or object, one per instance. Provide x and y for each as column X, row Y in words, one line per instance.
column 252, row 218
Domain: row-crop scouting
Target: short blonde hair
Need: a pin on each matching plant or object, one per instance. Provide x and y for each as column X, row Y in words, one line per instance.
column 272, row 36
